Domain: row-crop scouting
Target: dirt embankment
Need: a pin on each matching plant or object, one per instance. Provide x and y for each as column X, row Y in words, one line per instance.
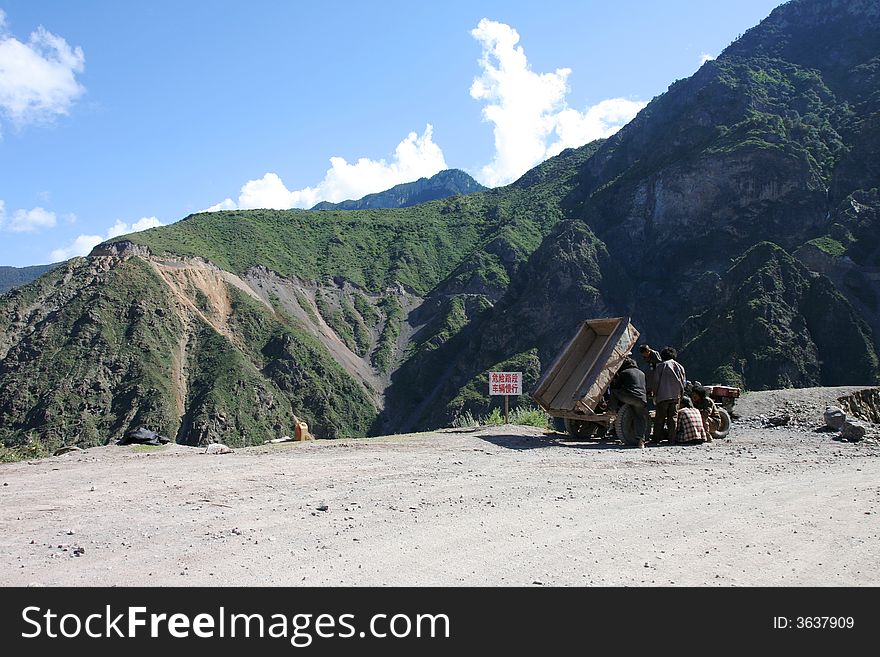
column 500, row 506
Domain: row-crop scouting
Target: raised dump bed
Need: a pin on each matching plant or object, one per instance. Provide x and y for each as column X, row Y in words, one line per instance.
column 574, row 386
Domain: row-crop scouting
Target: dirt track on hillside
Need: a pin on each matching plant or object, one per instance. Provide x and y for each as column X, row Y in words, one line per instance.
column 501, row 506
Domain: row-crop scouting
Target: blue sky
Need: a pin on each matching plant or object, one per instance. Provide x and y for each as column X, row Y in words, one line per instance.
column 117, row 116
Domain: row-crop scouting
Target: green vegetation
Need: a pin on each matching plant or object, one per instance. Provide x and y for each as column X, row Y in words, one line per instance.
column 366, row 309
column 32, row 449
column 12, row 277
column 107, row 365
column 336, row 320
column 363, row 339
column 417, row 246
column 304, row 376
column 387, row 344
column 306, row 306
column 372, row 248
column 828, row 245
column 455, row 312
column 201, row 301
column 530, row 417
column 768, row 333
column 96, row 369
column 474, row 398
column 147, row 448
column 523, row 416
column 495, row 418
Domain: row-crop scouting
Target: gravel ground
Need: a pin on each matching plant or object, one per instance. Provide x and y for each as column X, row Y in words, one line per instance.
column 501, row 506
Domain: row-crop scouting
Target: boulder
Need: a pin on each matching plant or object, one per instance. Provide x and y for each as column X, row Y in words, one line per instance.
column 217, row 448
column 853, row 430
column 835, row 417
column 779, row 420
column 143, row 436
column 66, row 449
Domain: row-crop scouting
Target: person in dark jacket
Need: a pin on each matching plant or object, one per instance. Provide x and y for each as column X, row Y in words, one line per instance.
column 668, row 385
column 652, row 359
column 650, row 356
column 628, row 388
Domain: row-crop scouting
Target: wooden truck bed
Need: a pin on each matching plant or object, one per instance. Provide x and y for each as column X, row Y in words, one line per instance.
column 576, row 382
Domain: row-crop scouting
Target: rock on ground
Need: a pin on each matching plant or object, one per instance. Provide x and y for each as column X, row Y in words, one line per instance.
column 853, row 430
column 834, row 417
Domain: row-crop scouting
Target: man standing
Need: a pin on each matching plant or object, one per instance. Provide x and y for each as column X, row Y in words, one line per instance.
column 652, row 358
column 668, row 384
column 628, row 387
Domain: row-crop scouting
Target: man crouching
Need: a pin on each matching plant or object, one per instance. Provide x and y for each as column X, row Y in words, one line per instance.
column 628, row 387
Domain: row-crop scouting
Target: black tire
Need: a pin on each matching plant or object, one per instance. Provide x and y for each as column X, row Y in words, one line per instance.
column 580, row 429
column 724, row 428
column 626, row 426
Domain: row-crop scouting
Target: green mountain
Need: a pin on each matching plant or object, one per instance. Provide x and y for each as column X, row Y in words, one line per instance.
column 451, row 182
column 736, row 217
column 11, row 277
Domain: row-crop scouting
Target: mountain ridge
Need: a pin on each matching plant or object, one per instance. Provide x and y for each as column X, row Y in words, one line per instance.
column 12, row 277
column 449, row 182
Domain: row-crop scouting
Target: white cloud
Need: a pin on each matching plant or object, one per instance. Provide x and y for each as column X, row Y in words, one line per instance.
column 79, row 247
column 122, row 228
column 83, row 244
column 603, row 119
column 528, row 108
column 37, row 78
column 706, row 57
column 26, row 221
column 532, row 121
column 225, row 204
column 415, row 157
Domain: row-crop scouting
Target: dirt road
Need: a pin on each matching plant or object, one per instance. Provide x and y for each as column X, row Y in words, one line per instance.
column 501, row 506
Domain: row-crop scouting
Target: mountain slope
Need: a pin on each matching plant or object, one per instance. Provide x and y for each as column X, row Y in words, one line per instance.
column 451, row 182
column 745, row 150
column 227, row 326
column 12, row 277
column 736, row 217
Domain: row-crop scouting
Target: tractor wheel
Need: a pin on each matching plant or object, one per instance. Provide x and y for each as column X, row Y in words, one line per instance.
column 723, row 428
column 626, row 425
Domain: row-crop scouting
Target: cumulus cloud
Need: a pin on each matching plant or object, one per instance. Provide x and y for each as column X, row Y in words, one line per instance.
column 706, row 57
column 85, row 243
column 37, row 78
column 26, row 221
column 79, row 247
column 122, row 228
column 532, row 120
column 415, row 157
column 574, row 128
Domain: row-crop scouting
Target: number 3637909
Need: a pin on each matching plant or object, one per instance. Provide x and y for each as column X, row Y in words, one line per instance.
column 814, row 622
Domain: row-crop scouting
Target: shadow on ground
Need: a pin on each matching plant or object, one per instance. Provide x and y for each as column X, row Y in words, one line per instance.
column 560, row 440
